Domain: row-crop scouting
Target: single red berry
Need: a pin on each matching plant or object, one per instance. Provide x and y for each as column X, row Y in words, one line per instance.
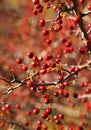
column 47, row 100
column 35, row 2
column 89, row 7
column 44, row 115
column 33, row 64
column 68, row 44
column 55, row 117
column 35, row 58
column 46, row 0
column 43, row 71
column 58, row 28
column 57, row 121
column 77, row 69
column 30, row 55
column 24, row 67
column 61, row 116
column 26, row 123
column 48, row 5
column 49, row 110
column 36, row 110
column 66, row 83
column 60, row 77
column 66, row 94
column 42, row 23
column 28, row 113
column 7, row 106
column 38, row 127
column 35, row 12
column 18, row 106
column 39, row 122
column 19, row 60
column 3, row 108
column 42, row 88
column 72, row 69
column 75, row 95
column 45, row 32
column 76, row 19
column 48, row 41
column 56, row 94
column 38, row 6
column 81, row 1
column 48, row 119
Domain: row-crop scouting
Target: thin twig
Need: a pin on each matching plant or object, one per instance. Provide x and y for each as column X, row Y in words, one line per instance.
column 85, row 66
column 85, row 14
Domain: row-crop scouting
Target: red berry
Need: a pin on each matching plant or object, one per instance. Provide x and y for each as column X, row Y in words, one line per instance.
column 26, row 123
column 39, row 122
column 42, row 23
column 49, row 110
column 57, row 121
column 30, row 54
column 38, row 127
column 61, row 116
column 45, row 0
column 24, row 67
column 81, row 1
column 76, row 19
column 48, row 41
column 45, row 32
column 35, row 12
column 28, row 113
column 75, row 95
column 17, row 106
column 55, row 117
column 43, row 71
column 36, row 110
column 89, row 7
column 47, row 100
column 35, row 1
column 33, row 64
column 19, row 60
column 66, row 94
column 44, row 115
column 68, row 44
column 56, row 94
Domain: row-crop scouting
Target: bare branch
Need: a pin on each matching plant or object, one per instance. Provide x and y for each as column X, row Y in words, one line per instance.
column 81, row 67
column 9, row 90
column 85, row 14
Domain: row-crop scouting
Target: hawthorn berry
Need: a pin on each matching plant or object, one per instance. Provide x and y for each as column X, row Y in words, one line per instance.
column 36, row 110
column 35, row 2
column 43, row 71
column 30, row 55
column 19, row 60
column 48, row 41
column 44, row 115
column 49, row 110
column 47, row 100
column 42, row 23
column 17, row 106
column 76, row 19
column 24, row 67
column 75, row 95
column 35, row 12
column 28, row 113
column 39, row 122
column 45, row 32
